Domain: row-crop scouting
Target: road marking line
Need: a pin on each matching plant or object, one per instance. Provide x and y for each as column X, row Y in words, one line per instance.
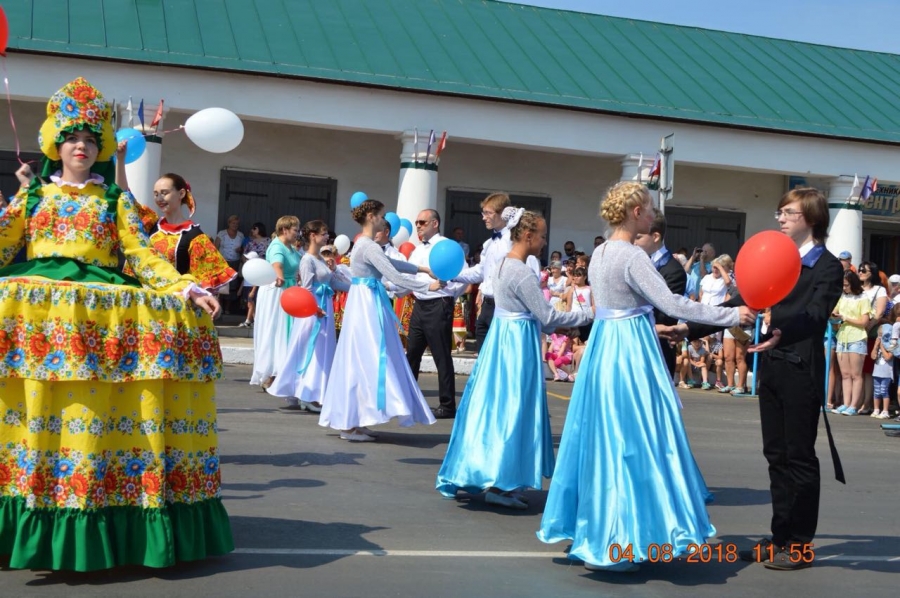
column 493, row 554
column 421, row 553
column 553, row 394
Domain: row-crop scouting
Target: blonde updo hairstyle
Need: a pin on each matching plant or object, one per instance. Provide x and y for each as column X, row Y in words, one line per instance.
column 529, row 221
column 621, row 199
column 370, row 206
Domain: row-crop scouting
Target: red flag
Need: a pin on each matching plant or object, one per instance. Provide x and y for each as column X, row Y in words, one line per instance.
column 159, row 113
column 441, row 145
column 657, row 166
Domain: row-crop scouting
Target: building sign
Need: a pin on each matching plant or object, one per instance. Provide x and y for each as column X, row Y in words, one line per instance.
column 884, row 203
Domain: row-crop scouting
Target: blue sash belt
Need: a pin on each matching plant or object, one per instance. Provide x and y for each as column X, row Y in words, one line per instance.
column 323, row 294
column 381, row 301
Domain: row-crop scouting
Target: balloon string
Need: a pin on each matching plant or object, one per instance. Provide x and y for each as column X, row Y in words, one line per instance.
column 12, row 120
column 178, row 128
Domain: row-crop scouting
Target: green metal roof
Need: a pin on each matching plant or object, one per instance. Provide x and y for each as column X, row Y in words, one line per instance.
column 490, row 49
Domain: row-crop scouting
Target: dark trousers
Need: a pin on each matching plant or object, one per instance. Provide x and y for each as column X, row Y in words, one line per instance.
column 789, row 405
column 483, row 322
column 668, row 353
column 431, row 325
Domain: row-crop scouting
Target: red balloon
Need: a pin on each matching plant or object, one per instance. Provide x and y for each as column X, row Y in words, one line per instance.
column 4, row 32
column 767, row 269
column 407, row 249
column 299, row 302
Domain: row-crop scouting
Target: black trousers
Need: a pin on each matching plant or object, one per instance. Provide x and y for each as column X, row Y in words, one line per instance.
column 431, row 325
column 483, row 322
column 789, row 405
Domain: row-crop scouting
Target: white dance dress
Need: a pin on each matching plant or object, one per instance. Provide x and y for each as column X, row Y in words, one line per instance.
column 625, row 474
column 375, row 384
column 306, row 363
column 272, row 326
column 501, row 436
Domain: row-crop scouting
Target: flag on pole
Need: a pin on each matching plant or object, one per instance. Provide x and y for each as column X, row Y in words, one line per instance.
column 141, row 113
column 854, row 187
column 416, row 145
column 868, row 188
column 440, row 148
column 130, row 112
column 158, row 116
column 656, row 168
column 430, row 143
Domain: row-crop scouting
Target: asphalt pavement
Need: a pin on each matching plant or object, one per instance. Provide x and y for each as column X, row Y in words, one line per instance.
column 314, row 516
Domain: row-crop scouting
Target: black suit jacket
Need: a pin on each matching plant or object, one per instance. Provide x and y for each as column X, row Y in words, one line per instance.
column 676, row 279
column 802, row 316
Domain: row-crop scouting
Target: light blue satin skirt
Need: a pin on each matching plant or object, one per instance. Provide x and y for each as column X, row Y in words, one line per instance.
column 625, row 473
column 501, row 436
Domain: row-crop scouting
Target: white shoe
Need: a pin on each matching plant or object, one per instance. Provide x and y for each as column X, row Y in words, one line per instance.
column 364, row 430
column 875, row 413
column 503, row 500
column 357, row 437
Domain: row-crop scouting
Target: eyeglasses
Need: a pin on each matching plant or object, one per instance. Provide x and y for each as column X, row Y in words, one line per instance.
column 864, row 271
column 787, row 214
column 422, row 222
column 488, row 213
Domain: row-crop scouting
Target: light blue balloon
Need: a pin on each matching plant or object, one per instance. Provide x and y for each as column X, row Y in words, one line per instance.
column 136, row 144
column 405, row 223
column 357, row 198
column 394, row 220
column 446, row 259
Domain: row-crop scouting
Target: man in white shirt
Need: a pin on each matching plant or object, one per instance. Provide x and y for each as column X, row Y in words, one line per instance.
column 492, row 253
column 431, row 323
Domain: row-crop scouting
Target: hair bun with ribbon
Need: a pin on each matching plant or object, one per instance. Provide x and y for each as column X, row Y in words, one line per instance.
column 514, row 216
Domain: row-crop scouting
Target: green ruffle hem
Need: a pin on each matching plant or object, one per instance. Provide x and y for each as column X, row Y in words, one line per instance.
column 90, row 540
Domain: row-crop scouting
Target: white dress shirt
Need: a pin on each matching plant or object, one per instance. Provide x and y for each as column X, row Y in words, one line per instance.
column 492, row 253
column 420, row 256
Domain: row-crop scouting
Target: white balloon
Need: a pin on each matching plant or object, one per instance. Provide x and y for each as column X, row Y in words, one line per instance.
column 215, row 130
column 401, row 237
column 342, row 244
column 258, row 272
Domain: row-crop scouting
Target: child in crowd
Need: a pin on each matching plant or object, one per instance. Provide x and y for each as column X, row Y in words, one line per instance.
column 883, row 371
column 682, row 366
column 559, row 354
column 698, row 358
column 716, row 350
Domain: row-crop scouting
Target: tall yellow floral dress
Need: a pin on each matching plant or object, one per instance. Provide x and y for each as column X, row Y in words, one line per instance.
column 108, row 449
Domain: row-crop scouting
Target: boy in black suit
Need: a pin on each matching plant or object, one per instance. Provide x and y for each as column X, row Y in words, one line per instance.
column 792, row 385
column 654, row 243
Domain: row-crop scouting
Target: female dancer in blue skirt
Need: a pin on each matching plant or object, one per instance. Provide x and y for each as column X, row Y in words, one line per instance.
column 501, row 439
column 626, row 484
column 303, row 373
column 377, row 384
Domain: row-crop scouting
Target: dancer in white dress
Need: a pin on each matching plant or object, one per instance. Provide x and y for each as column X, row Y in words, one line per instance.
column 377, row 384
column 304, row 369
column 272, row 330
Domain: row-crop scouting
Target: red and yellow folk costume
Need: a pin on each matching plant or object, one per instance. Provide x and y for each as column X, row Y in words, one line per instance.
column 108, row 449
column 192, row 252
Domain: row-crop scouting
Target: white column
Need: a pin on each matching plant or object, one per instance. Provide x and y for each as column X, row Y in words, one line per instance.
column 636, row 167
column 143, row 173
column 417, row 190
column 845, row 229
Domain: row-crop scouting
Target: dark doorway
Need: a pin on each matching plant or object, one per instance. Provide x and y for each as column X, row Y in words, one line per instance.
column 463, row 209
column 264, row 197
column 691, row 228
column 9, row 184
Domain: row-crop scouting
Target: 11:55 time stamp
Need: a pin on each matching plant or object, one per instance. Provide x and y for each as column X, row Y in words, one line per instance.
column 708, row 553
